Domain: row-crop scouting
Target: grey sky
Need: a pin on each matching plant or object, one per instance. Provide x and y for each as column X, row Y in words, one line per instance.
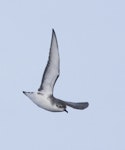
column 91, row 38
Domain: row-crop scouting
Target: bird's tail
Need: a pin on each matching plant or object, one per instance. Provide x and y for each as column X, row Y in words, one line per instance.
column 81, row 105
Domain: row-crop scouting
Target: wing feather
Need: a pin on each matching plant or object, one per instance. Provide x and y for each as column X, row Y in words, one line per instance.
column 81, row 105
column 52, row 69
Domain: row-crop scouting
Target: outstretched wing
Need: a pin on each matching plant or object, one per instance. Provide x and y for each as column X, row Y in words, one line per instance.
column 52, row 69
column 81, row 105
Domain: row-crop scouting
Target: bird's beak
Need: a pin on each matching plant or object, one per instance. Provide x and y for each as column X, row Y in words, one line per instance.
column 66, row 110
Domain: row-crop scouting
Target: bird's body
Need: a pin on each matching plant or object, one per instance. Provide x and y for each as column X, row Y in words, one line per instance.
column 44, row 101
column 44, row 96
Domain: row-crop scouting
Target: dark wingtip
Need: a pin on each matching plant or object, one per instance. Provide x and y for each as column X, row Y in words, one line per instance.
column 53, row 31
column 54, row 36
column 85, row 105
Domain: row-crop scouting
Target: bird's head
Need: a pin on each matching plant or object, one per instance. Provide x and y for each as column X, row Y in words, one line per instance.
column 61, row 106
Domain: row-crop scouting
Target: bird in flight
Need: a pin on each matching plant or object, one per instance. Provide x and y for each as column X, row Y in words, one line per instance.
column 44, row 96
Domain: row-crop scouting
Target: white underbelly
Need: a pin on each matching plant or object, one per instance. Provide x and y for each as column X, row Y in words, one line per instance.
column 43, row 101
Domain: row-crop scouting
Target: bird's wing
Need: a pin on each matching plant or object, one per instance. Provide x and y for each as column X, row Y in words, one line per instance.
column 52, row 69
column 81, row 105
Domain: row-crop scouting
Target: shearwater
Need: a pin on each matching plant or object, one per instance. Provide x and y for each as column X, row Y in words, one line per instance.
column 44, row 96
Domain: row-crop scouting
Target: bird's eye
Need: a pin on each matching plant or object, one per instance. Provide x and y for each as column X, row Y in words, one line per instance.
column 39, row 93
column 60, row 106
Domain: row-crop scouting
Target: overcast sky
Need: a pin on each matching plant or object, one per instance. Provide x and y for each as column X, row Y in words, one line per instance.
column 91, row 38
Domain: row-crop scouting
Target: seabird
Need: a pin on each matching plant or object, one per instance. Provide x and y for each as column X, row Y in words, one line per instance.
column 44, row 96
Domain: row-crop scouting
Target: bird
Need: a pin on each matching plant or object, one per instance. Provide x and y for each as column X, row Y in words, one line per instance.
column 44, row 97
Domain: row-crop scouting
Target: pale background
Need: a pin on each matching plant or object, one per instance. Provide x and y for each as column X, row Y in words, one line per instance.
column 91, row 37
